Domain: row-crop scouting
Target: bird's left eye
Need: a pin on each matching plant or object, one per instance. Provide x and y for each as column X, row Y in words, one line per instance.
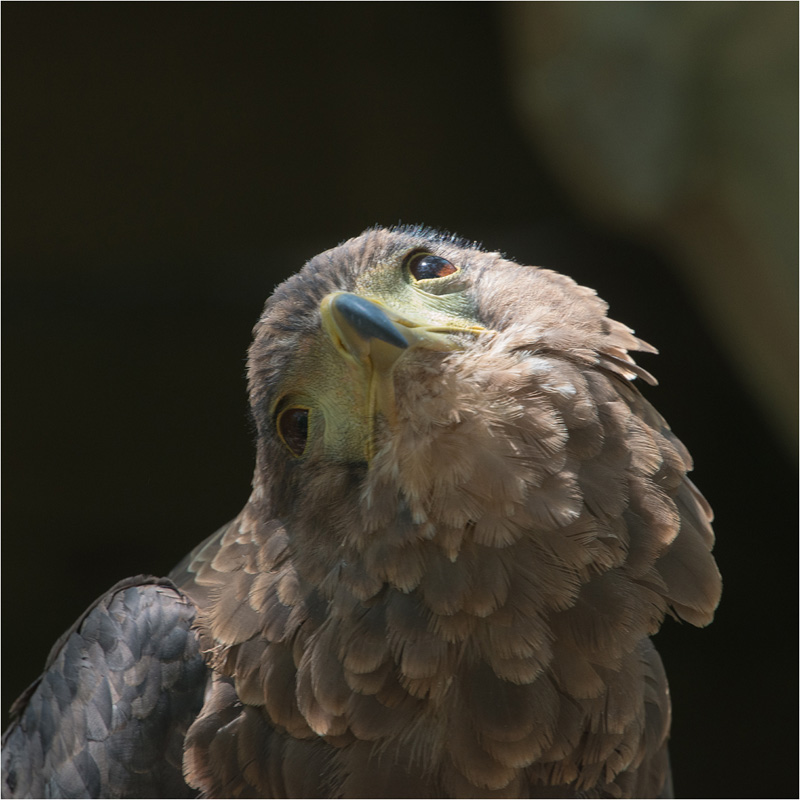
column 292, row 424
column 424, row 266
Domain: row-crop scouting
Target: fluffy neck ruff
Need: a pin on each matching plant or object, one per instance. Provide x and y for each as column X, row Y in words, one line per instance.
column 476, row 604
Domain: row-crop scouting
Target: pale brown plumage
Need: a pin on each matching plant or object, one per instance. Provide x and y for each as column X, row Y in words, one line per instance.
column 454, row 597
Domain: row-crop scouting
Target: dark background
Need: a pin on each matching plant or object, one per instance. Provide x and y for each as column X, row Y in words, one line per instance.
column 167, row 164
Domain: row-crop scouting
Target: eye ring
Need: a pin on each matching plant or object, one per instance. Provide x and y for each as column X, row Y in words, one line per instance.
column 423, row 266
column 292, row 423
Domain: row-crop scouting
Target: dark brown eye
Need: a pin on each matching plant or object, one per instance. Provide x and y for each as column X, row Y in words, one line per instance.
column 424, row 266
column 293, row 428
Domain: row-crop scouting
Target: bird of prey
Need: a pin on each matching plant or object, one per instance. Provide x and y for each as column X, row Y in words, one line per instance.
column 465, row 525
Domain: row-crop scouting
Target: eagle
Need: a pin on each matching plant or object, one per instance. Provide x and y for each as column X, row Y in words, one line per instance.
column 465, row 525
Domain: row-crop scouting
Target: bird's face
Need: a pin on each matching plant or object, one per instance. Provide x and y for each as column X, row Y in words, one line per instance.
column 400, row 309
column 334, row 388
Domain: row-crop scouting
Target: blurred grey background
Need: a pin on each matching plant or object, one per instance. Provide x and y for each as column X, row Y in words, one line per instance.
column 167, row 164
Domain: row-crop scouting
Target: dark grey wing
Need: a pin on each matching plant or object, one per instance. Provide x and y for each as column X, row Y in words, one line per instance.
column 109, row 715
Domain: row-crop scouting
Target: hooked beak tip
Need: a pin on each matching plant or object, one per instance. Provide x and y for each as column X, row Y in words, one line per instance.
column 364, row 318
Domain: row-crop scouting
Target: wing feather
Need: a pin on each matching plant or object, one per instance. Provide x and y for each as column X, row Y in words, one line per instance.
column 108, row 716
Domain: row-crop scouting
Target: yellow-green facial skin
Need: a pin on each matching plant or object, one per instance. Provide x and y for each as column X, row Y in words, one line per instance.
column 437, row 301
column 345, row 378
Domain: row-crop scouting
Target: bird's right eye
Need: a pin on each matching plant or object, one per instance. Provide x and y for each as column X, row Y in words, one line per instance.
column 424, row 266
column 292, row 425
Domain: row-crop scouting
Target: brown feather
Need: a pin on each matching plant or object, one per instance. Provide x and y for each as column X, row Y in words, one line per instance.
column 468, row 613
